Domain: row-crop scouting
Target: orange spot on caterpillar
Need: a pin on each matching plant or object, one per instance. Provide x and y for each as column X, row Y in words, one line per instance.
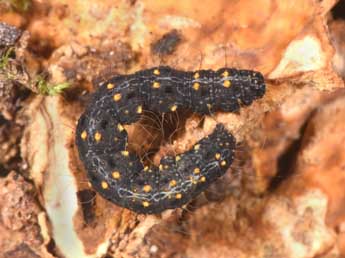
column 147, row 188
column 116, row 175
column 110, row 86
column 98, row 136
column 117, row 97
column 145, row 204
column 104, row 185
column 83, row 135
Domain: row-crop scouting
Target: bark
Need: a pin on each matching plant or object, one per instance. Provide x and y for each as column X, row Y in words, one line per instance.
column 283, row 195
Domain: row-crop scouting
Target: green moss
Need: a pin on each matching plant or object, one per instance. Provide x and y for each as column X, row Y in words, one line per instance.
column 5, row 57
column 42, row 86
column 18, row 5
column 46, row 88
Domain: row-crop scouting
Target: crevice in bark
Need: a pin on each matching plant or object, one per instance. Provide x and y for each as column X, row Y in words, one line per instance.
column 287, row 160
column 338, row 11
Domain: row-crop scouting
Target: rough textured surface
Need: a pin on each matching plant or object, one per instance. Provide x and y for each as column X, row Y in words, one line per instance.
column 11, row 98
column 21, row 233
column 8, row 70
column 336, row 29
column 8, row 35
column 283, row 195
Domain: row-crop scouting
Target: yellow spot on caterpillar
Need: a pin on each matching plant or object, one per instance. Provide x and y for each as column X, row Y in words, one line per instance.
column 146, row 168
column 196, row 86
column 177, row 158
column 145, row 204
column 117, row 96
column 197, row 147
column 178, row 196
column 110, row 86
column 139, row 109
column 166, row 166
column 120, row 127
column 172, row 183
column 223, row 163
column 225, row 74
column 209, row 106
column 125, row 153
column 147, row 188
column 83, row 135
column 160, row 167
column 126, row 111
column 196, row 170
column 173, row 108
column 217, row 156
column 156, row 85
column 226, row 83
column 192, row 180
column 98, row 136
column 104, row 185
column 203, row 179
column 116, row 175
column 196, row 75
column 156, row 72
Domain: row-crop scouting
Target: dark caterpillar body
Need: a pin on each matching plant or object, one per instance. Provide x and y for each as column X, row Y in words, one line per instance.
column 119, row 175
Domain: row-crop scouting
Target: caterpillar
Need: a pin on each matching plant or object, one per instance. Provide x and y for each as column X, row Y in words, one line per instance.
column 119, row 175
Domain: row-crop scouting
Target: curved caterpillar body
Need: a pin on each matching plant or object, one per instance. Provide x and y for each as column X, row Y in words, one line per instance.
column 119, row 175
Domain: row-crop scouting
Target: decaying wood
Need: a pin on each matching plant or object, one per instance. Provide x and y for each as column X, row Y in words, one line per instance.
column 282, row 197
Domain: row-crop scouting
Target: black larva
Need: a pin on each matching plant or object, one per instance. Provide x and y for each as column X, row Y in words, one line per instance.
column 119, row 176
